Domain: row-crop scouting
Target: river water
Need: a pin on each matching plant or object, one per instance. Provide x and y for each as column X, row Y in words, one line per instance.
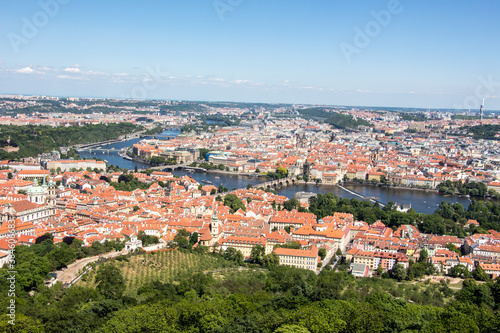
column 422, row 202
column 115, row 159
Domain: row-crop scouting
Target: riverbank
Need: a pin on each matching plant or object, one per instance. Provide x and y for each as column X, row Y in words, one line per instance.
column 235, row 173
column 120, row 138
column 398, row 187
column 138, row 159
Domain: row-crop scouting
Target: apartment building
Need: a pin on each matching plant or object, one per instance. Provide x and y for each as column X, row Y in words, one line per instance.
column 306, row 259
column 67, row 165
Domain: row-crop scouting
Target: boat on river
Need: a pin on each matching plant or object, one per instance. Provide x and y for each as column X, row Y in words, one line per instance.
column 205, row 181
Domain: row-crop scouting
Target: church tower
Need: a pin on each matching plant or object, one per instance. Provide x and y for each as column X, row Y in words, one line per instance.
column 214, row 225
column 51, row 194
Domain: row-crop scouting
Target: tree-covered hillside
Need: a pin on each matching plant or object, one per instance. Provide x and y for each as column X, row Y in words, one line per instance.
column 33, row 140
column 336, row 119
column 487, row 132
column 159, row 293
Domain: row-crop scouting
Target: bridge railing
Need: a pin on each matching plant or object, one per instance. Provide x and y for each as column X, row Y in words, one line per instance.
column 275, row 181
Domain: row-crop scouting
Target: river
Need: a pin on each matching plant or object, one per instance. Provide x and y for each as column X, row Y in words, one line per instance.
column 115, row 159
column 422, row 202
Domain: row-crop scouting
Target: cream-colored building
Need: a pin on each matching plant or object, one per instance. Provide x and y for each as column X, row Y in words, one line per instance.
column 180, row 156
column 243, row 244
column 67, row 165
column 306, row 259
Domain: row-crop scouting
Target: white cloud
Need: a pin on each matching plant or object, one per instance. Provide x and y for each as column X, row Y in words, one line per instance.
column 72, row 70
column 27, row 70
column 242, row 81
column 96, row 73
column 68, row 77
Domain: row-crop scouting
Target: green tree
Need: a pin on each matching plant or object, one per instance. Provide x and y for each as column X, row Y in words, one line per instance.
column 203, row 153
column 291, row 204
column 193, row 239
column 290, row 245
column 235, row 255
column 479, row 274
column 459, row 271
column 158, row 160
column 61, row 256
column 144, row 318
column 22, row 324
column 322, row 253
column 423, row 255
column 282, row 172
column 398, row 272
column 147, row 239
column 257, row 254
column 181, row 239
column 233, row 202
column 270, row 260
column 32, row 269
column 453, row 248
column 291, row 329
column 110, row 281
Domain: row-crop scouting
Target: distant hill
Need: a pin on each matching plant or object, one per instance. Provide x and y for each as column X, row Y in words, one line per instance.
column 487, row 132
column 336, row 119
column 33, row 140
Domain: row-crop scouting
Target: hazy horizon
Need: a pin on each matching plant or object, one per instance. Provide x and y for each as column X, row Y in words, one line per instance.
column 391, row 53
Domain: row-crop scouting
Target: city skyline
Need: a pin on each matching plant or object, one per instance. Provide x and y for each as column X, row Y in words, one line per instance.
column 382, row 53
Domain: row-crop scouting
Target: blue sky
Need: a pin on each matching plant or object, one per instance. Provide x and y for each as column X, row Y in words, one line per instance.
column 438, row 54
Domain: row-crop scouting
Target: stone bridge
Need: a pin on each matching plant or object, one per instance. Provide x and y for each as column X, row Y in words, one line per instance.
column 91, row 150
column 277, row 183
column 177, row 167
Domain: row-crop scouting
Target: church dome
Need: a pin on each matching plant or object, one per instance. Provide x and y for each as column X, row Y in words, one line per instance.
column 35, row 188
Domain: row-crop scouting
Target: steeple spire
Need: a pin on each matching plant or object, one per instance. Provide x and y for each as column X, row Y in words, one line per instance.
column 481, row 111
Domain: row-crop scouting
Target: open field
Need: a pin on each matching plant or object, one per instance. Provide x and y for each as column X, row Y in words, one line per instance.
column 163, row 266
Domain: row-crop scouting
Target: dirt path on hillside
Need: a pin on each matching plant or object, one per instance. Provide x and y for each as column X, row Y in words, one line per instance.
column 66, row 275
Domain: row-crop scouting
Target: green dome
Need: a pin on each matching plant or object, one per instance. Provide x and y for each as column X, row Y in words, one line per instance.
column 35, row 188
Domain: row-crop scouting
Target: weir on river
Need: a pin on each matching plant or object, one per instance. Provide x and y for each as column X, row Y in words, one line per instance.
column 361, row 196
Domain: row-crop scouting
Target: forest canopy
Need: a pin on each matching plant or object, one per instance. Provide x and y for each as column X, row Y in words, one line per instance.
column 33, row 140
